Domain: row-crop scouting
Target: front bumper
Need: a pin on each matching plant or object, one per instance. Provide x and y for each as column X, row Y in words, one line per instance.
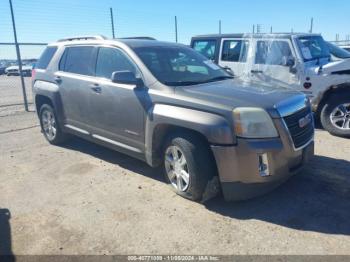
column 238, row 166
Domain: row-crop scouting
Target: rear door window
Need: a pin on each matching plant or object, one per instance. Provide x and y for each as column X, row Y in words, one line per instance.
column 206, row 48
column 234, row 51
column 46, row 57
column 110, row 60
column 78, row 60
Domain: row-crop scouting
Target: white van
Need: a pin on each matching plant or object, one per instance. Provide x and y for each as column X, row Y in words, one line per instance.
column 299, row 61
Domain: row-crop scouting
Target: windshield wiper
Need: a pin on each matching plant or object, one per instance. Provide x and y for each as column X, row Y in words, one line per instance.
column 190, row 83
column 183, row 83
column 218, row 78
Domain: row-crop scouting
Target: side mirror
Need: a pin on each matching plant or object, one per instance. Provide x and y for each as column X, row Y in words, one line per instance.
column 290, row 62
column 229, row 70
column 126, row 77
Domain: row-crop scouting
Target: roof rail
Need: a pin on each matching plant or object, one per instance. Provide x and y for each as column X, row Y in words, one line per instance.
column 139, row 38
column 86, row 37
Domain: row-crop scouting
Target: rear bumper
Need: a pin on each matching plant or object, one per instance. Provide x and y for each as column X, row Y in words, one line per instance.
column 238, row 166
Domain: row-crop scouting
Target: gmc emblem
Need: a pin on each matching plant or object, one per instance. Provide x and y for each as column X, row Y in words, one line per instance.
column 303, row 122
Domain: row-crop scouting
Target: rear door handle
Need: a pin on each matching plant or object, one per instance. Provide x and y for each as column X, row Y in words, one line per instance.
column 96, row 88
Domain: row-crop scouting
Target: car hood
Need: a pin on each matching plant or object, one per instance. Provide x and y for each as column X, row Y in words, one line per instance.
column 236, row 93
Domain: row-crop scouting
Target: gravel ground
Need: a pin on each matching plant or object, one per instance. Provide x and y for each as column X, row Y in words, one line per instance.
column 84, row 199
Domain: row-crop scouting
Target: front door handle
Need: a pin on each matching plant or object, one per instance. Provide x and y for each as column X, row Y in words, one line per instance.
column 256, row 71
column 96, row 88
column 58, row 79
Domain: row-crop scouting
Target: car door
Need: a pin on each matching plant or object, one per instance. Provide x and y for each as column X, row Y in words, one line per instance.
column 118, row 109
column 275, row 63
column 75, row 79
column 233, row 55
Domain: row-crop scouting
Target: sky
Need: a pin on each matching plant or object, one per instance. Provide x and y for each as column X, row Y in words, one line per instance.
column 47, row 21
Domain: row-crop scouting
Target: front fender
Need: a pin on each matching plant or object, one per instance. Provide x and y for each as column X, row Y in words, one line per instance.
column 213, row 127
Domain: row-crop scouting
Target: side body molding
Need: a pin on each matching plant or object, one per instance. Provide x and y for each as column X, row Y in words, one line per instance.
column 214, row 127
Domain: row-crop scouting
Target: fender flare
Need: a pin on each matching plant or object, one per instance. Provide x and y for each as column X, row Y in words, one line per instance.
column 213, row 127
column 318, row 102
column 50, row 91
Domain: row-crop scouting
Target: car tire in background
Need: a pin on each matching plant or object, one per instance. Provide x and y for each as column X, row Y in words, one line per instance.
column 335, row 115
column 50, row 126
column 188, row 165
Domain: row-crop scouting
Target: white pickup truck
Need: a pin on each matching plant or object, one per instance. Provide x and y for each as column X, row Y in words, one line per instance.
column 302, row 62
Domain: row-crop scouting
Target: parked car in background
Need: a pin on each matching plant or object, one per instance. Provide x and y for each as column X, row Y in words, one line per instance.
column 301, row 62
column 346, row 47
column 170, row 106
column 2, row 70
column 14, row 70
column 337, row 52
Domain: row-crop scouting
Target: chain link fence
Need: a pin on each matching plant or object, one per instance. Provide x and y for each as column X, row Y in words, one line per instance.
column 11, row 91
column 40, row 21
column 36, row 26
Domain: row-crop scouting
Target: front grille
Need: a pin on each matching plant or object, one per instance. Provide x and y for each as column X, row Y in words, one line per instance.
column 300, row 135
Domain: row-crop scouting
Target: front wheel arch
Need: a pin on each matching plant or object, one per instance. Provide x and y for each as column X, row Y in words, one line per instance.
column 326, row 114
column 332, row 90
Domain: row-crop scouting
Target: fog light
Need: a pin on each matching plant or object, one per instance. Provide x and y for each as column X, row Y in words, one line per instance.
column 263, row 165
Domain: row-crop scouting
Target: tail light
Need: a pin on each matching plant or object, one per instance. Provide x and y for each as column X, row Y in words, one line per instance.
column 33, row 73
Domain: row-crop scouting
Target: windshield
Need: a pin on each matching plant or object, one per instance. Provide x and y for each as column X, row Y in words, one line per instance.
column 180, row 66
column 337, row 51
column 313, row 47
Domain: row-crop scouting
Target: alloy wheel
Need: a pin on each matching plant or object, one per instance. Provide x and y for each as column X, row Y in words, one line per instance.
column 176, row 168
column 49, row 124
column 340, row 116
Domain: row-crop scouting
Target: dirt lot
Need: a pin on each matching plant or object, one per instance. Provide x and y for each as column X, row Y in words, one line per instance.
column 84, row 199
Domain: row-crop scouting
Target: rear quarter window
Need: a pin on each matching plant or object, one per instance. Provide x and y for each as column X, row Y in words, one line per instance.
column 46, row 57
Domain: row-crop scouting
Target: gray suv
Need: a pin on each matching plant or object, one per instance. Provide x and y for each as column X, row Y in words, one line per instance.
column 170, row 106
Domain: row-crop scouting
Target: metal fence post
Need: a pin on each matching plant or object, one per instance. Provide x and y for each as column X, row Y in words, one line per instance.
column 176, row 29
column 112, row 22
column 19, row 59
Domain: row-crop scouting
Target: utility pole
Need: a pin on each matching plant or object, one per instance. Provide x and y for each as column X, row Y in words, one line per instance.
column 19, row 59
column 311, row 25
column 220, row 27
column 112, row 21
column 176, row 29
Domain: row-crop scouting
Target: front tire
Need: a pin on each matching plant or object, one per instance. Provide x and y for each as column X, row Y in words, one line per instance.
column 188, row 165
column 50, row 127
column 335, row 115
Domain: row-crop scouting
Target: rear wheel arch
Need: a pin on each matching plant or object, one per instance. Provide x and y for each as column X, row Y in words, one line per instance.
column 54, row 100
column 40, row 100
column 49, row 124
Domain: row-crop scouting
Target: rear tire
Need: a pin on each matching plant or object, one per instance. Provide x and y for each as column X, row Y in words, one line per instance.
column 50, row 126
column 193, row 166
column 335, row 115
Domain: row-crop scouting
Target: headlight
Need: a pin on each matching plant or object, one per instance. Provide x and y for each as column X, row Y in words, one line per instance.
column 253, row 122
